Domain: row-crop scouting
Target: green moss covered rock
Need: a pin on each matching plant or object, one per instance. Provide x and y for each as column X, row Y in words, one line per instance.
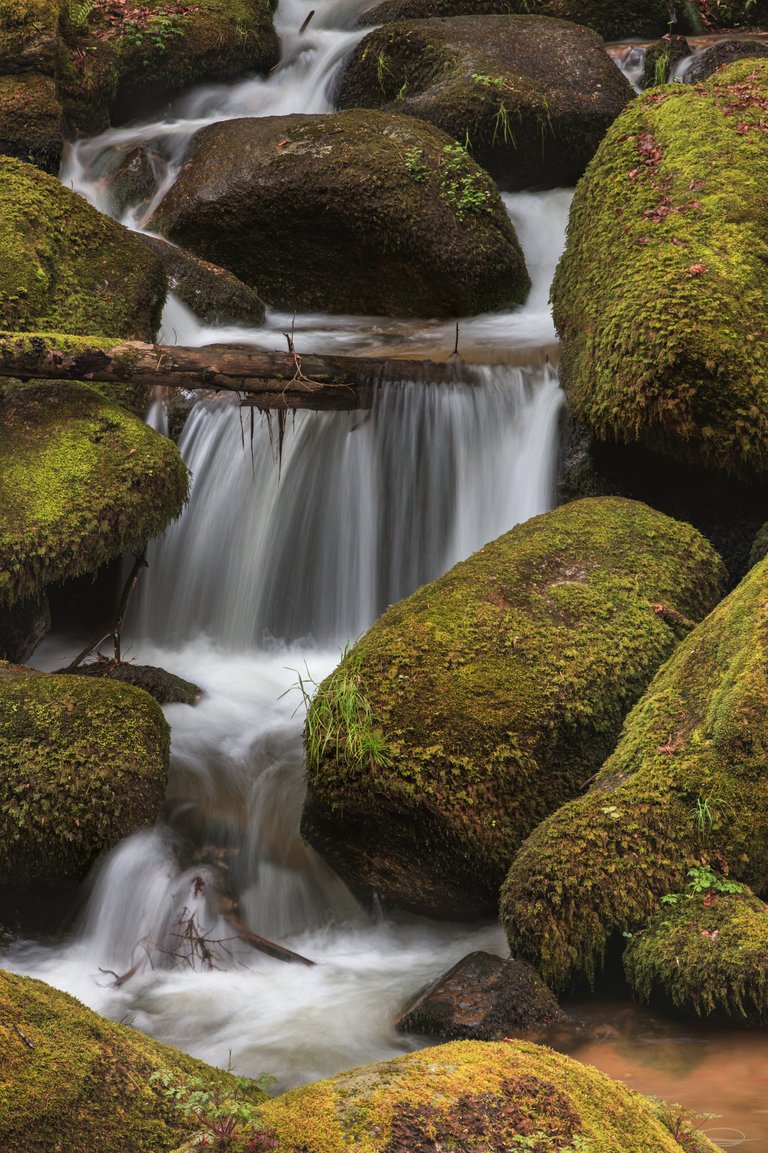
column 357, row 212
column 708, row 954
column 474, row 708
column 533, row 96
column 660, row 295
column 687, row 779
column 31, row 123
column 64, row 267
column 29, row 32
column 81, row 481
column 73, row 1082
column 479, row 1097
column 82, row 764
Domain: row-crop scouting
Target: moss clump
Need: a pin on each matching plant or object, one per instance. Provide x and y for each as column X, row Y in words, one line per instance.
column 31, row 125
column 533, row 97
column 480, row 1097
column 357, row 212
column 660, row 295
column 687, row 779
column 478, row 705
column 28, row 36
column 82, row 764
column 708, row 953
column 64, row 267
column 81, row 481
column 74, row 1082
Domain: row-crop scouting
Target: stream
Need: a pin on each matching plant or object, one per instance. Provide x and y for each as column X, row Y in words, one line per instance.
column 279, row 561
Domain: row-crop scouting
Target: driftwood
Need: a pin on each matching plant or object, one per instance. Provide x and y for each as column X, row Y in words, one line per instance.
column 268, row 379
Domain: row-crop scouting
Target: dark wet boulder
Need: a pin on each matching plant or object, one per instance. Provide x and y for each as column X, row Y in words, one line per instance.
column 473, row 1096
column 130, row 182
column 610, row 19
column 685, row 781
column 358, row 212
column 22, row 627
column 213, row 294
column 31, row 122
column 482, row 998
column 475, row 707
column 82, row 764
column 165, row 687
column 659, row 297
column 705, row 63
column 532, row 97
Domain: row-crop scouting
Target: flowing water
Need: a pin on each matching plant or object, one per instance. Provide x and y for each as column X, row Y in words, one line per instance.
column 280, row 559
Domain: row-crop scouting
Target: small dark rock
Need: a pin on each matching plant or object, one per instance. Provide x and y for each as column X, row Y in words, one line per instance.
column 661, row 58
column 214, row 295
column 131, row 182
column 165, row 687
column 483, row 998
column 22, row 626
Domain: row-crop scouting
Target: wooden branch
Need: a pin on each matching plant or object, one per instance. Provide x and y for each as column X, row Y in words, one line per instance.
column 269, row 379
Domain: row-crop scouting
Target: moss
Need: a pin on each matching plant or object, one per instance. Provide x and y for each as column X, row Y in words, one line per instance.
column 660, row 295
column 493, row 1097
column 31, row 125
column 532, row 96
column 82, row 764
column 64, row 267
column 696, row 742
column 28, row 35
column 708, row 954
column 323, row 212
column 80, row 482
column 74, row 1082
column 489, row 696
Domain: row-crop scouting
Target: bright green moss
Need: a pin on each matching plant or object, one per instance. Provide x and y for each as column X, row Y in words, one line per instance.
column 660, row 296
column 81, row 480
column 73, row 1082
column 473, row 1096
column 696, row 743
column 708, row 954
column 478, row 705
column 82, row 763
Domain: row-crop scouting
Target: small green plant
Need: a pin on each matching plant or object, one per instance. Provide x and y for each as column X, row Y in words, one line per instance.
column 382, row 67
column 703, row 879
column 158, row 31
column 684, row 1124
column 413, row 165
column 223, row 1114
column 78, row 12
column 661, row 67
column 459, row 186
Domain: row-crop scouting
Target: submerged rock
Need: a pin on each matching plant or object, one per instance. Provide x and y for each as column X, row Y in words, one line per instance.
column 686, row 780
column 82, row 764
column 659, row 297
column 482, row 998
column 478, row 705
column 532, row 97
column 479, row 1097
column 358, row 212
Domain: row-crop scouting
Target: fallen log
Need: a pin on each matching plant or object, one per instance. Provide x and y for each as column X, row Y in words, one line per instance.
column 268, row 379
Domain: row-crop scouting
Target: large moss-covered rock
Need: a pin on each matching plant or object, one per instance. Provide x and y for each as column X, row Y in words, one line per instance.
column 358, row 212
column 660, row 295
column 533, row 97
column 473, row 1096
column 31, row 124
column 29, row 36
column 81, row 480
column 611, row 19
column 73, row 1082
column 64, row 267
column 478, row 705
column 82, row 764
column 687, row 778
column 708, row 954
column 117, row 60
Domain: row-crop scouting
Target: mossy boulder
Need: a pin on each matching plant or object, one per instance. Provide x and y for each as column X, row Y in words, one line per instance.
column 660, row 59
column 534, row 97
column 31, row 123
column 81, row 481
column 659, row 297
column 612, row 20
column 471, row 710
column 29, row 31
column 82, row 764
column 121, row 60
column 74, row 1082
column 708, row 954
column 358, row 212
column 687, row 778
column 479, row 1097
column 64, row 267
column 165, row 687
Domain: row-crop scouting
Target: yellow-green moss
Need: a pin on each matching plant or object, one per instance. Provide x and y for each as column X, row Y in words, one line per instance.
column 473, row 1096
column 81, row 481
column 687, row 779
column 64, row 267
column 73, row 1082
column 82, row 763
column 708, row 954
column 482, row 702
column 660, row 296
